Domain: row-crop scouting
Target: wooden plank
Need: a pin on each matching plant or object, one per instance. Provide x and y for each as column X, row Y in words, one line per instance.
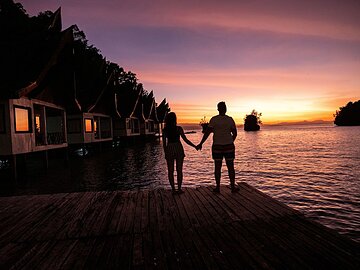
column 137, row 213
column 270, row 228
column 79, row 254
column 227, row 232
column 119, row 206
column 158, row 257
column 76, row 221
column 90, row 217
column 33, row 258
column 145, row 212
column 110, row 256
column 205, row 238
column 166, row 240
column 102, row 214
column 243, row 235
column 26, row 206
column 126, row 221
column 200, row 257
column 156, row 229
column 31, row 219
column 297, row 226
column 256, row 240
column 57, row 255
column 311, row 250
column 11, row 253
column 46, row 227
column 174, row 232
column 218, row 232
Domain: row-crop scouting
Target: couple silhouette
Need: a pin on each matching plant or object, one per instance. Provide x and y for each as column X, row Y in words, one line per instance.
column 224, row 130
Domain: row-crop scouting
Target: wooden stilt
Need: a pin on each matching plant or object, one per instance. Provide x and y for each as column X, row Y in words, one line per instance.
column 46, row 159
column 66, row 157
column 14, row 168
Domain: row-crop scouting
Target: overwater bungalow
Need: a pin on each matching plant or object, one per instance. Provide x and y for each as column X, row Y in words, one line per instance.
column 88, row 114
column 32, row 115
column 149, row 115
column 129, row 109
column 90, row 123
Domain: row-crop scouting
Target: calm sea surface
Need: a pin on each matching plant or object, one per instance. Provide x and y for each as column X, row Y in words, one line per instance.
column 315, row 169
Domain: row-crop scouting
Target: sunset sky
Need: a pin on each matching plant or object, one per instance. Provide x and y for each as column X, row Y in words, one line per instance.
column 290, row 60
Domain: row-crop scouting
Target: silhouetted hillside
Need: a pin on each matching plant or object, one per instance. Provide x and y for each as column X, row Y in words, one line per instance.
column 348, row 115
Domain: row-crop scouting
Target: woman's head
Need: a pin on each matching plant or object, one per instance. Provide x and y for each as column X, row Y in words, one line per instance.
column 170, row 119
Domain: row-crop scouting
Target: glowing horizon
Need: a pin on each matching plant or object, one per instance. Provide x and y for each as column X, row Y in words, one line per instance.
column 290, row 60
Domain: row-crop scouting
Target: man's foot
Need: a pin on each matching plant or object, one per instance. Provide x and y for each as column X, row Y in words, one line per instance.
column 234, row 189
column 180, row 191
column 173, row 191
column 216, row 190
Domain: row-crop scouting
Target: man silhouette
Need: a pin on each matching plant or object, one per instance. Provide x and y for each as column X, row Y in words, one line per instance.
column 225, row 133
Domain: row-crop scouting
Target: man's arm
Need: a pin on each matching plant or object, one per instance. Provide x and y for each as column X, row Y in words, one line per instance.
column 183, row 136
column 234, row 133
column 233, row 130
column 204, row 138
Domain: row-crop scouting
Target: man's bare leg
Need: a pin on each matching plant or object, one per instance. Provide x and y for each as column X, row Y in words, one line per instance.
column 218, row 164
column 231, row 171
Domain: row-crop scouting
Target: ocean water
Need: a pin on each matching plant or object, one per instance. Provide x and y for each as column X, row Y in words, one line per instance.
column 315, row 169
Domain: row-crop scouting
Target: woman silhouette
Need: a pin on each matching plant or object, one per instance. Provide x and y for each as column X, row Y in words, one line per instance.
column 174, row 150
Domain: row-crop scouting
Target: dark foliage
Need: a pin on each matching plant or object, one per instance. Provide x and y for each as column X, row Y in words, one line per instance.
column 27, row 45
column 252, row 121
column 162, row 110
column 348, row 115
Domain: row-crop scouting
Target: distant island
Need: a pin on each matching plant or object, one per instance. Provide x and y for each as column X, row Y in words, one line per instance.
column 204, row 124
column 304, row 122
column 348, row 115
column 252, row 121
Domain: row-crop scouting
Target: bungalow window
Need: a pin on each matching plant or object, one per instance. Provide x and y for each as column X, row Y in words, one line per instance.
column 22, row 119
column 88, row 125
column 96, row 128
column 73, row 125
column 2, row 118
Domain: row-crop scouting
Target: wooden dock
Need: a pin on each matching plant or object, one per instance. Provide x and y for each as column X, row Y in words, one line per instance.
column 153, row 229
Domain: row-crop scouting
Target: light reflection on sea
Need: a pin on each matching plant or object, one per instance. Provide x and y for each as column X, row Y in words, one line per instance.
column 314, row 169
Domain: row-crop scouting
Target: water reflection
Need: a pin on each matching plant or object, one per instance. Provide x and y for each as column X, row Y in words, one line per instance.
column 4, row 164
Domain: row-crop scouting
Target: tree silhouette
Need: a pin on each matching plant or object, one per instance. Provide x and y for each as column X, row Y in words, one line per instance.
column 348, row 115
column 19, row 34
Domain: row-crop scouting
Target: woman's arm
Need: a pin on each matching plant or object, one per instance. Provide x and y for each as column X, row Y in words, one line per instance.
column 183, row 136
column 205, row 136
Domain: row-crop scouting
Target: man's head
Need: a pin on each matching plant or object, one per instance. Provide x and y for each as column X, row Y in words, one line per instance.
column 221, row 108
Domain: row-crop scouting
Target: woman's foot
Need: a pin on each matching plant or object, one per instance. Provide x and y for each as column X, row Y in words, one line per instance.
column 234, row 189
column 216, row 190
column 180, row 191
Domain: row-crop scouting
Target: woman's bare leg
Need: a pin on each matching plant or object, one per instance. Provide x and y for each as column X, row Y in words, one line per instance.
column 179, row 172
column 218, row 164
column 170, row 166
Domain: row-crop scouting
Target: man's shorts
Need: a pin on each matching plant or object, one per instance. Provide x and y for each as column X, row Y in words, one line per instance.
column 223, row 151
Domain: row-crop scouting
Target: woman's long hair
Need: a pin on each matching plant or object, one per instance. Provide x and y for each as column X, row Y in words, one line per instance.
column 170, row 122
